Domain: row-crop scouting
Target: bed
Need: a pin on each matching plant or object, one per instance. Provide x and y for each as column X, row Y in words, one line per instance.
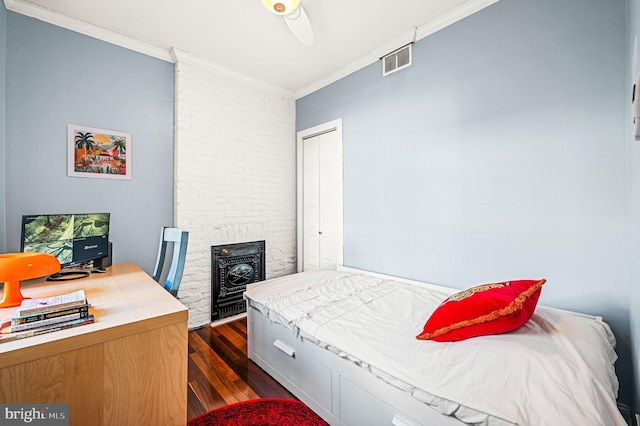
column 344, row 342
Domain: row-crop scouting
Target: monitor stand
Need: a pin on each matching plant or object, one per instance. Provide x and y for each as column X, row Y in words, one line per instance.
column 68, row 275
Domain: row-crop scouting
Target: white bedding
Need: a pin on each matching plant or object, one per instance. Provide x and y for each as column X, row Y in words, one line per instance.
column 555, row 370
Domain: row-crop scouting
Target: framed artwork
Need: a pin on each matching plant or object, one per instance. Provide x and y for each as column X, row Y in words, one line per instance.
column 98, row 153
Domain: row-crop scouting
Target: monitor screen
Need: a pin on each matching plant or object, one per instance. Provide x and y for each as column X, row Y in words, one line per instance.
column 72, row 238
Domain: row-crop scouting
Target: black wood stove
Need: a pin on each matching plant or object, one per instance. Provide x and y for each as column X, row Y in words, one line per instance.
column 233, row 266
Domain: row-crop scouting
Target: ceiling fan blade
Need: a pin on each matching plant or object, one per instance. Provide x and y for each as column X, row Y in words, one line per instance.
column 298, row 23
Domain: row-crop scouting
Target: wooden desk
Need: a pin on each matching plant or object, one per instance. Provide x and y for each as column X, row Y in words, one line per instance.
column 128, row 368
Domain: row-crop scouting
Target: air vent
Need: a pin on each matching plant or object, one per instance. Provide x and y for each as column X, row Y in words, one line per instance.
column 396, row 60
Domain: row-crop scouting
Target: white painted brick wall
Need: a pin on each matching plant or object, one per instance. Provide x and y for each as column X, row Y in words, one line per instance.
column 234, row 172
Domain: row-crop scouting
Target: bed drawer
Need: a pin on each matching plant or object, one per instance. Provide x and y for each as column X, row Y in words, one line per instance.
column 279, row 348
column 377, row 413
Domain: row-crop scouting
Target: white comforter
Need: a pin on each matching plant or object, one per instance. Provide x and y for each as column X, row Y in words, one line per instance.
column 555, row 370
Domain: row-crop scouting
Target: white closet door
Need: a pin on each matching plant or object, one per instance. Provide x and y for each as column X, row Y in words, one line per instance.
column 330, row 200
column 311, row 204
column 322, row 202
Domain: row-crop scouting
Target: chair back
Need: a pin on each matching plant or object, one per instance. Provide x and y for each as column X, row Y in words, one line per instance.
column 180, row 239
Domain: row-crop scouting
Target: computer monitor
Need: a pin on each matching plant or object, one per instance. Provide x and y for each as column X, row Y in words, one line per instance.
column 74, row 239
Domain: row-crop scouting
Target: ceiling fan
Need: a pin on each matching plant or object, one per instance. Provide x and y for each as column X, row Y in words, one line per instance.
column 294, row 16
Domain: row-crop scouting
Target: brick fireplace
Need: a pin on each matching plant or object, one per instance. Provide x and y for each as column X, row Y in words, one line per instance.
column 233, row 267
column 223, row 202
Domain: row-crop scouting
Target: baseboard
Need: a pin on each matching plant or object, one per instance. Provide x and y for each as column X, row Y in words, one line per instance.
column 228, row 319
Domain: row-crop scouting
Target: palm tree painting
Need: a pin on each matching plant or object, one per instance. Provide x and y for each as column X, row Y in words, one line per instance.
column 99, row 153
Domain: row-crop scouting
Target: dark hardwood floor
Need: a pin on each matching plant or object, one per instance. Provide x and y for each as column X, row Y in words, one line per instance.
column 220, row 372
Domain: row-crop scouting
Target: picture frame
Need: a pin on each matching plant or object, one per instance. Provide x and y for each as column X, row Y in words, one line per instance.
column 98, row 153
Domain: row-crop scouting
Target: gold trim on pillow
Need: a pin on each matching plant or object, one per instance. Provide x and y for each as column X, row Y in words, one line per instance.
column 512, row 307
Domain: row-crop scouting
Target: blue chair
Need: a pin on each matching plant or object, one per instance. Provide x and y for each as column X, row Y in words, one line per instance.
column 180, row 239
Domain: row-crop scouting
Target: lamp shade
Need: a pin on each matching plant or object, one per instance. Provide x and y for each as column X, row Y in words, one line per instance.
column 281, row 7
column 16, row 267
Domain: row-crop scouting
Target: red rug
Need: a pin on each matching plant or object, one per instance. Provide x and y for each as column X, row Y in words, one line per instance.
column 261, row 412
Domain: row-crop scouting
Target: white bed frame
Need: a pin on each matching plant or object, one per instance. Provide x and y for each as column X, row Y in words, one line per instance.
column 337, row 389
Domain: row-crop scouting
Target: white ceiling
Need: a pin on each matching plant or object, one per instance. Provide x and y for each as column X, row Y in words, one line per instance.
column 242, row 36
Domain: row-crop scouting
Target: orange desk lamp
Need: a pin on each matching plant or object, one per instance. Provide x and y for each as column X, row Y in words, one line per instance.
column 16, row 267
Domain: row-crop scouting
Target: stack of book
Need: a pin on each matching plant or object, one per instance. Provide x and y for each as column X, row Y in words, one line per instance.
column 44, row 315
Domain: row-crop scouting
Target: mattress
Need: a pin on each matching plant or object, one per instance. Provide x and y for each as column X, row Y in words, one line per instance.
column 556, row 369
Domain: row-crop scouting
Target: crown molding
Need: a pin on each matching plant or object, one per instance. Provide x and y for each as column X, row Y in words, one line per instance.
column 179, row 55
column 466, row 9
column 453, row 16
column 51, row 17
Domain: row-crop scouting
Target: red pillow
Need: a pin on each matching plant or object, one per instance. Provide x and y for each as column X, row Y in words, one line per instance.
column 483, row 310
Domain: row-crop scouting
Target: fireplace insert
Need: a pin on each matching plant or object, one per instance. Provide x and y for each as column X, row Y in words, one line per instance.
column 233, row 267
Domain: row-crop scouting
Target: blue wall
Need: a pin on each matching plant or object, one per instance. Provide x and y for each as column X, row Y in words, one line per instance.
column 57, row 77
column 634, row 191
column 3, row 156
column 501, row 153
